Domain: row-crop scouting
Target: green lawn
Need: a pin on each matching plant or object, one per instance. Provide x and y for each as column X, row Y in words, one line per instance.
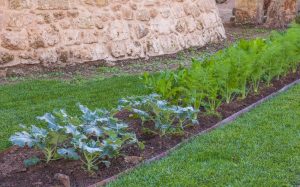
column 262, row 148
column 22, row 102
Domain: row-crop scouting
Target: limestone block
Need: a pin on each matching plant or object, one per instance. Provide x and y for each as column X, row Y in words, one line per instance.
column 118, row 30
column 19, row 4
column 141, row 31
column 6, row 57
column 169, row 43
column 84, row 22
column 153, row 47
column 127, row 13
column 118, row 49
column 249, row 11
column 134, row 49
column 89, row 36
column 143, row 15
column 162, row 25
column 17, row 21
column 3, row 22
column 43, row 36
column 99, row 3
column 3, row 3
column 181, row 26
column 99, row 52
column 71, row 37
column 53, row 4
column 14, row 40
column 191, row 24
column 281, row 13
column 82, row 53
column 48, row 57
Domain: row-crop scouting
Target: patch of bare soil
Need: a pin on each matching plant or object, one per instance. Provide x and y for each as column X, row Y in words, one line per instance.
column 13, row 173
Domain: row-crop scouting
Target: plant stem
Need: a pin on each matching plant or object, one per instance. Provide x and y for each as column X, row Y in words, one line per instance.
column 48, row 154
column 90, row 160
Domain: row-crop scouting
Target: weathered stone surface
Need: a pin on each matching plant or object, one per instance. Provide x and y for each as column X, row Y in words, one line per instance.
column 249, row 11
column 18, row 4
column 14, row 40
column 63, row 179
column 141, row 31
column 3, row 73
column 43, row 36
column 5, row 57
column 273, row 13
column 280, row 13
column 53, row 4
column 57, row 32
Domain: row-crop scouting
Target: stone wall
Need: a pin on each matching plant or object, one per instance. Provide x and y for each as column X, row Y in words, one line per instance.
column 59, row 32
column 249, row 11
column 281, row 12
column 272, row 13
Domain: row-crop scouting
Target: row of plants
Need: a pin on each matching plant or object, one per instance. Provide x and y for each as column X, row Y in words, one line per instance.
column 93, row 137
column 230, row 73
column 97, row 136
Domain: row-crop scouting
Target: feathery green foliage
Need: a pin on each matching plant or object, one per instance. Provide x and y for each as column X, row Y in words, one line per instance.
column 231, row 72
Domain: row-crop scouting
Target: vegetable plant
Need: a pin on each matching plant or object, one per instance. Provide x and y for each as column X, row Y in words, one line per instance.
column 230, row 73
column 167, row 118
column 93, row 137
column 46, row 139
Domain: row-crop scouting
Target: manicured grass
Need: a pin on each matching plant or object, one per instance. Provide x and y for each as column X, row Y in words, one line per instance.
column 22, row 102
column 262, row 148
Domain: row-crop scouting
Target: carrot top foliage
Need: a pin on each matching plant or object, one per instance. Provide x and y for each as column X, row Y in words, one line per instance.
column 231, row 72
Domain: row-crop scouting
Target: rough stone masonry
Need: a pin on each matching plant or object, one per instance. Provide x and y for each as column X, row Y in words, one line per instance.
column 54, row 33
column 272, row 13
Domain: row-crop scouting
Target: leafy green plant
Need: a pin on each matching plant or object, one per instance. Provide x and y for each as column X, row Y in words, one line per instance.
column 102, row 138
column 31, row 161
column 163, row 84
column 167, row 118
column 291, row 47
column 257, row 69
column 45, row 140
column 93, row 137
column 230, row 73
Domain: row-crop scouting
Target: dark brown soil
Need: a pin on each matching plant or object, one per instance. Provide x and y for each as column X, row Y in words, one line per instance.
column 13, row 172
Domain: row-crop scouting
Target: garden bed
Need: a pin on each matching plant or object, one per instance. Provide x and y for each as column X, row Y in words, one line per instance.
column 14, row 173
